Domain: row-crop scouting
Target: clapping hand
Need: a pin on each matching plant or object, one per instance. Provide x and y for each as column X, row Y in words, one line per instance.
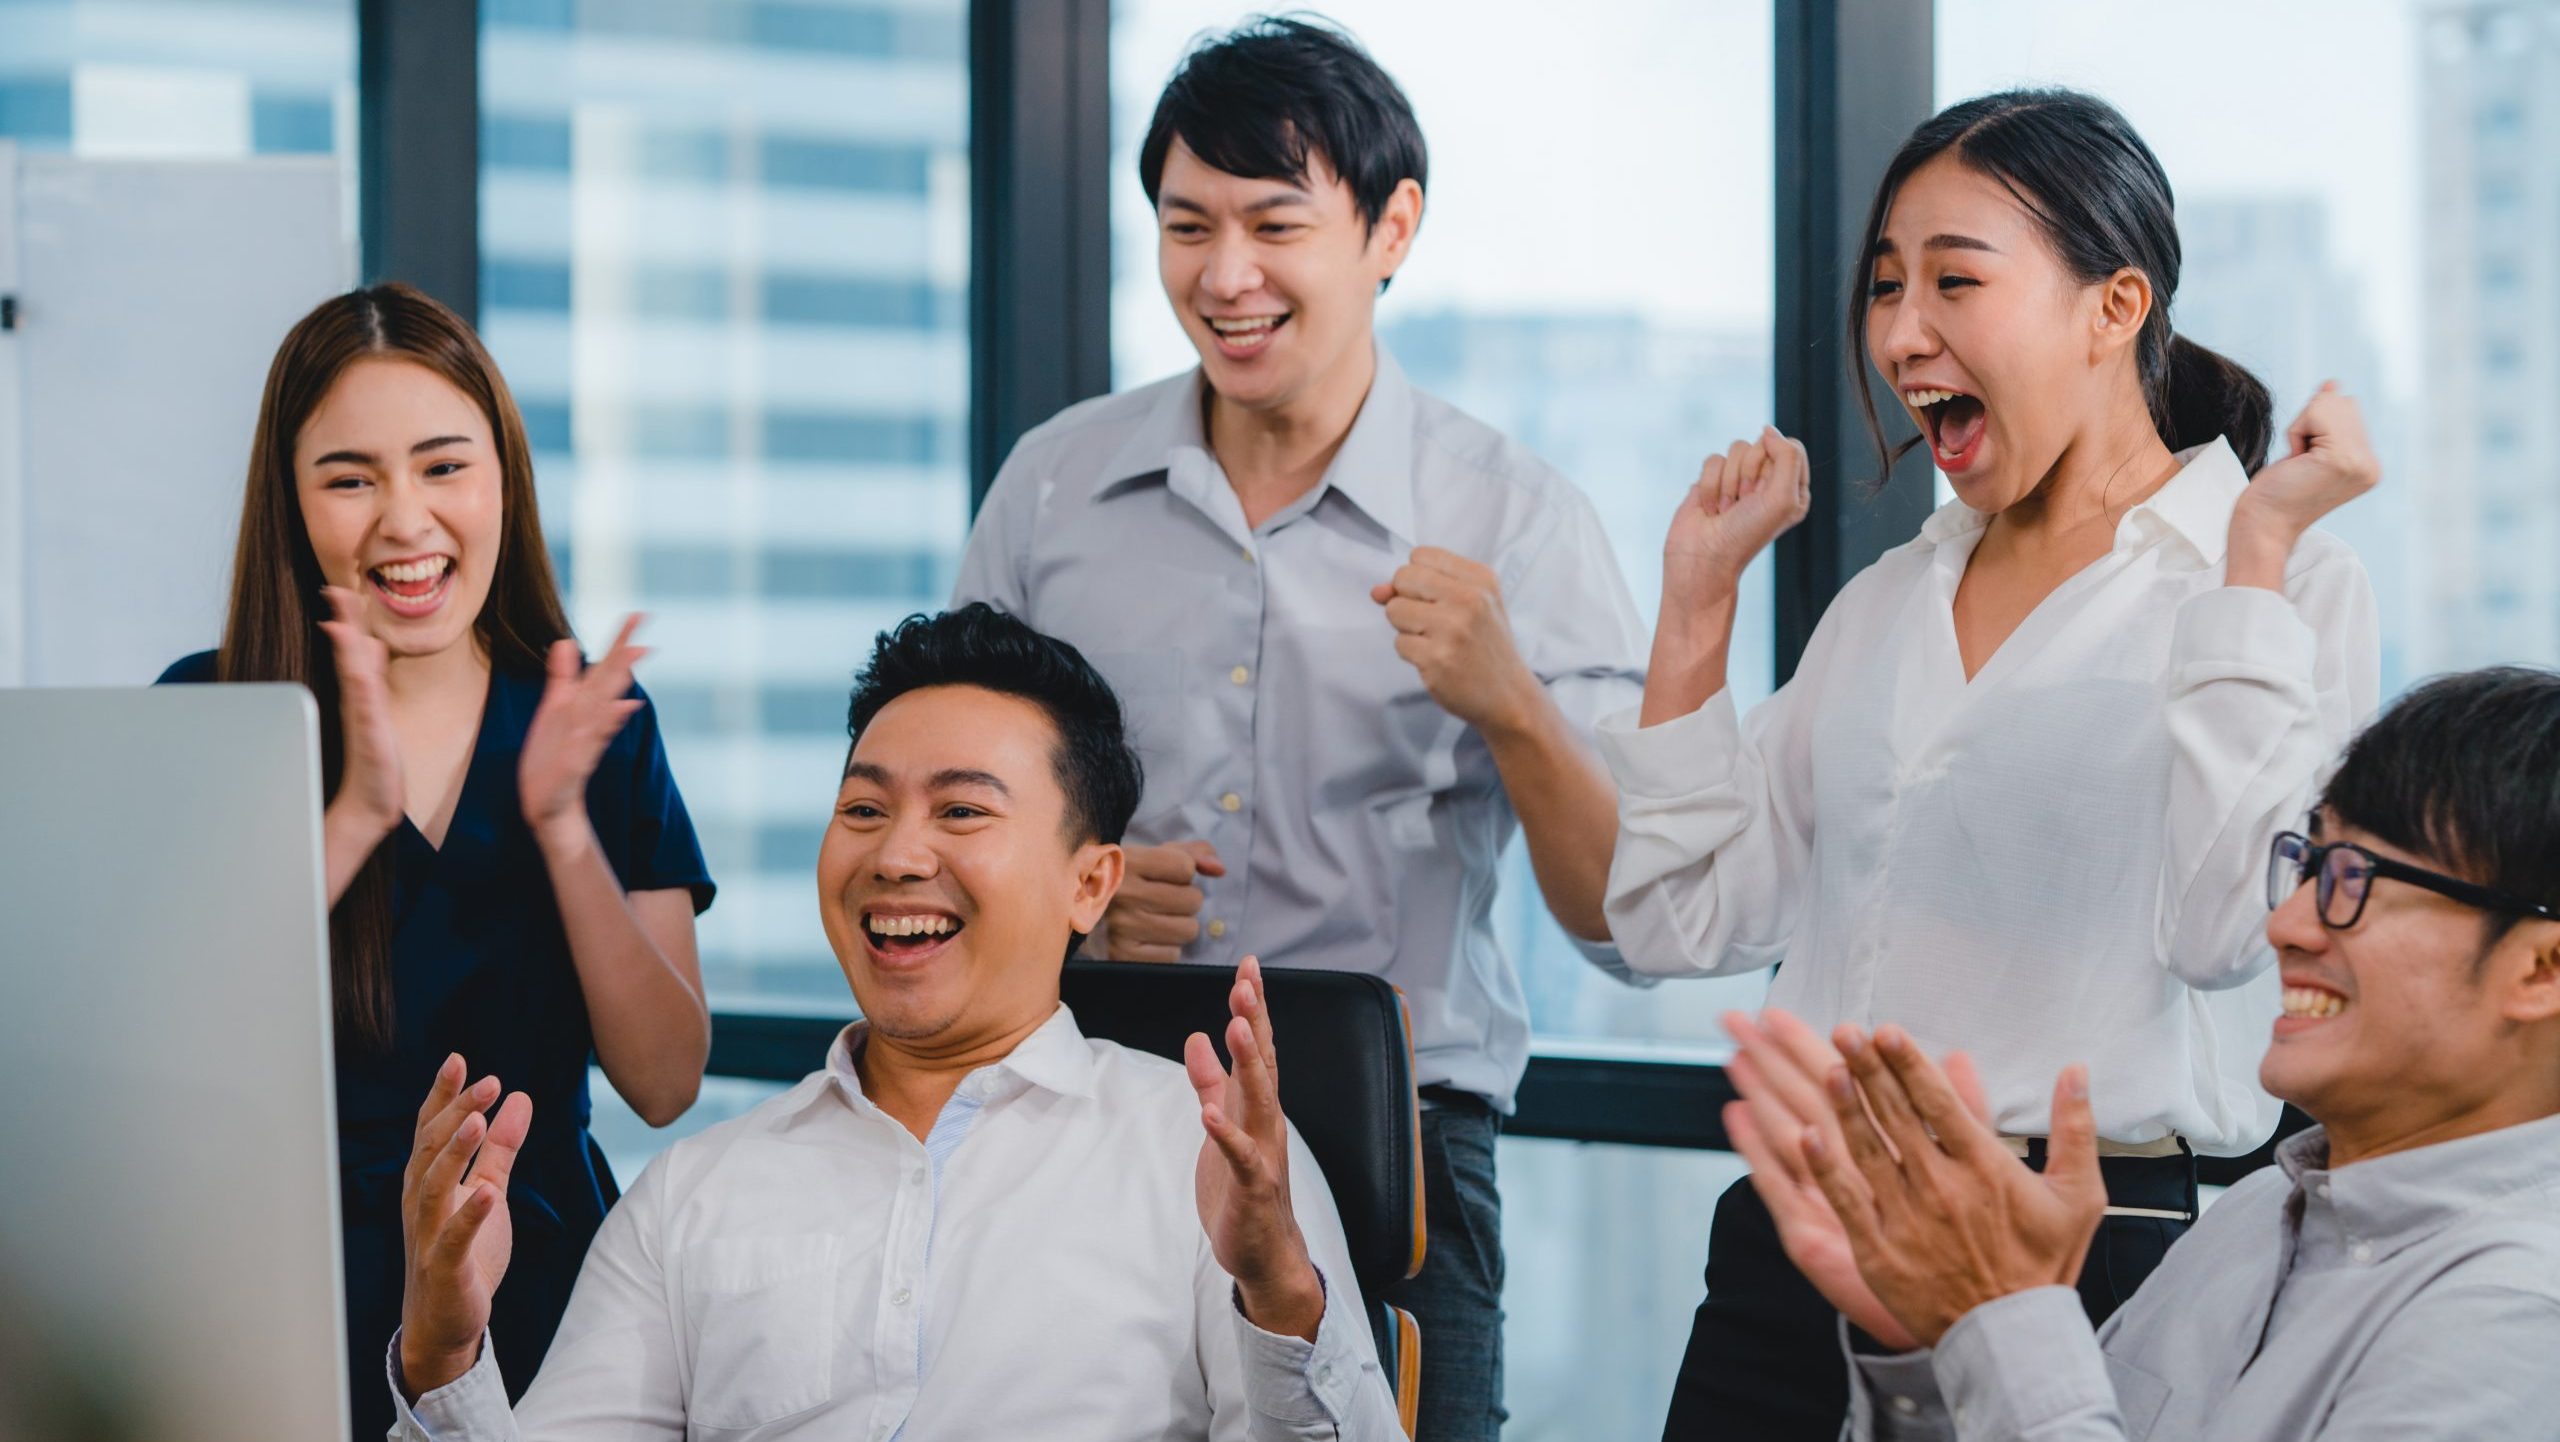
column 1243, row 1173
column 454, row 1224
column 580, row 713
column 371, row 786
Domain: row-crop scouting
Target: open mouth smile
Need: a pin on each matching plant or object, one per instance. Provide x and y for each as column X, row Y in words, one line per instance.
column 1956, row 424
column 903, row 936
column 413, row 587
column 1240, row 336
column 2307, row 1007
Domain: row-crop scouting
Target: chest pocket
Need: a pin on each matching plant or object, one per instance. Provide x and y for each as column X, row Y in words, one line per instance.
column 2139, row 1397
column 762, row 1311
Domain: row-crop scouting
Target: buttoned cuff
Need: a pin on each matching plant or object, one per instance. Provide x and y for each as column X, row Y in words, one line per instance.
column 1300, row 1383
column 2026, row 1361
column 1893, row 1396
column 2244, row 632
column 1680, row 757
column 470, row 1408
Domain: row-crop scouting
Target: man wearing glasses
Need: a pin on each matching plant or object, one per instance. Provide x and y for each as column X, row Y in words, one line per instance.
column 2395, row 1275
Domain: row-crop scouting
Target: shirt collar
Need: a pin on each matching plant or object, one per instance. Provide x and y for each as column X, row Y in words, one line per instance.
column 2195, row 506
column 2393, row 1201
column 1054, row 1058
column 1373, row 470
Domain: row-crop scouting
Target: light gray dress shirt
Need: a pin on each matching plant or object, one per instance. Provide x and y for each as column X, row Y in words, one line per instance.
column 2415, row 1295
column 1361, row 824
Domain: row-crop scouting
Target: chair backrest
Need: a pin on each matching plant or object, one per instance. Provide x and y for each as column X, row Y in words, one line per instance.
column 1346, row 1080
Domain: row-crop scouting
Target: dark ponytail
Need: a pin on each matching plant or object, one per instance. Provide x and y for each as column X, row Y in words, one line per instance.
column 2209, row 394
column 2104, row 204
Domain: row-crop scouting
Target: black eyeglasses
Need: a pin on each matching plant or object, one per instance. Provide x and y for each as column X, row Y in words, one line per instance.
column 2345, row 873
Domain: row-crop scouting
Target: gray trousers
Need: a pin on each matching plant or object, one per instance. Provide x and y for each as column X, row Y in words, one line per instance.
column 1457, row 1298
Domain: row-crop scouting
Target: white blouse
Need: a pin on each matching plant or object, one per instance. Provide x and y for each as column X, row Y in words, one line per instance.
column 2059, row 861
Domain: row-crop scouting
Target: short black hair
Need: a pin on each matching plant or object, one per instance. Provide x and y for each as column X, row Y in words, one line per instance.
column 2465, row 770
column 978, row 645
column 1262, row 98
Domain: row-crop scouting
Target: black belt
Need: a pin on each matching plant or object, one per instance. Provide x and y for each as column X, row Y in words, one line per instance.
column 1452, row 1099
column 2149, row 1185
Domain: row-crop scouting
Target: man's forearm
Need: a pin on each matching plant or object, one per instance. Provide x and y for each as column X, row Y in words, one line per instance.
column 1567, row 807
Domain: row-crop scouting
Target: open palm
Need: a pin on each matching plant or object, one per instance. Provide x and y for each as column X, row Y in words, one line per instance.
column 455, row 1222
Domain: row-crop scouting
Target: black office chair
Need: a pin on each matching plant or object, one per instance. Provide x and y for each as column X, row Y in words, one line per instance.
column 1346, row 1082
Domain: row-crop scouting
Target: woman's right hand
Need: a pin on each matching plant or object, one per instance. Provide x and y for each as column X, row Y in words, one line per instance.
column 370, row 788
column 1744, row 499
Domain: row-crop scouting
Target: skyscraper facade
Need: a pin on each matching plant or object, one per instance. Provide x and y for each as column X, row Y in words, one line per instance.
column 2490, row 115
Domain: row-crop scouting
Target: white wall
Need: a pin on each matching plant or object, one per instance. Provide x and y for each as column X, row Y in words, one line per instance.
column 151, row 296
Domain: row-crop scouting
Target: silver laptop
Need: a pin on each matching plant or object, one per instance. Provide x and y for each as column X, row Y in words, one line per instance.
column 169, row 1218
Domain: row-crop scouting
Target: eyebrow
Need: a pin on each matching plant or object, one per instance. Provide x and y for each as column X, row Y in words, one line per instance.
column 368, row 458
column 943, row 780
column 1885, row 246
column 1268, row 202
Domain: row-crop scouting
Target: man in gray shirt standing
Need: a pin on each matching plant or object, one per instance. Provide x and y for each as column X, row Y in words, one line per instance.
column 2395, row 1275
column 1359, row 635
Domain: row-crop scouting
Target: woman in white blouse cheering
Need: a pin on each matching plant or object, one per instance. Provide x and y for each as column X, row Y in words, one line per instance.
column 2016, row 795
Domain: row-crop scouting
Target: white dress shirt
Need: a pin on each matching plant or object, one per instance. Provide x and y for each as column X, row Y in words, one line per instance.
column 1362, row 826
column 789, row 1275
column 2062, row 860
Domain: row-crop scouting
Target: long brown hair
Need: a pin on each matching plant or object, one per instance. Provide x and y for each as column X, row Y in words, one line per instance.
column 272, row 631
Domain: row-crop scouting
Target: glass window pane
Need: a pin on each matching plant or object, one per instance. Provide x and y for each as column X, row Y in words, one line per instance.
column 1607, row 1254
column 629, row 1142
column 724, row 255
column 211, row 80
column 2399, row 243
column 1600, row 294
column 217, row 79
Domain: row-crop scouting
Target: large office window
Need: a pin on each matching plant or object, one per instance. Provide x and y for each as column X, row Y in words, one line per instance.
column 1591, row 278
column 215, row 79
column 2399, row 240
column 724, row 261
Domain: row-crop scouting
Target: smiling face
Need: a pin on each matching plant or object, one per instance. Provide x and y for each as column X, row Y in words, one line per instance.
column 1275, row 281
column 949, row 882
column 2400, row 1024
column 399, row 484
column 2003, row 357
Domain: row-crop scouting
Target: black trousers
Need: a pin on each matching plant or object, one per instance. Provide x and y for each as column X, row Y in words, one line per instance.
column 1764, row 1361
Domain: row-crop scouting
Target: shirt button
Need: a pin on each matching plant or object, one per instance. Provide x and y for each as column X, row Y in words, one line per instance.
column 1905, row 1406
column 901, row 1297
column 1247, row 550
column 1231, row 802
column 2324, row 1191
column 1324, row 1375
column 1217, row 929
column 2362, row 1251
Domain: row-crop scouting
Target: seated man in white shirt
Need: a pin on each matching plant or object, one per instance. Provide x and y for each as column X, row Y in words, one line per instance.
column 973, row 1222
column 2396, row 1274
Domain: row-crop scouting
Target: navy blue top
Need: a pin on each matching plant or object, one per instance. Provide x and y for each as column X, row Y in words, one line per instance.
column 480, row 965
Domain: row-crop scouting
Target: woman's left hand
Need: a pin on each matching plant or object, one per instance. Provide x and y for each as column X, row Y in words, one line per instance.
column 580, row 714
column 2332, row 463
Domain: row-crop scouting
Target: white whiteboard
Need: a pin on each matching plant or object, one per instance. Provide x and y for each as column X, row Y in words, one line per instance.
column 151, row 296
